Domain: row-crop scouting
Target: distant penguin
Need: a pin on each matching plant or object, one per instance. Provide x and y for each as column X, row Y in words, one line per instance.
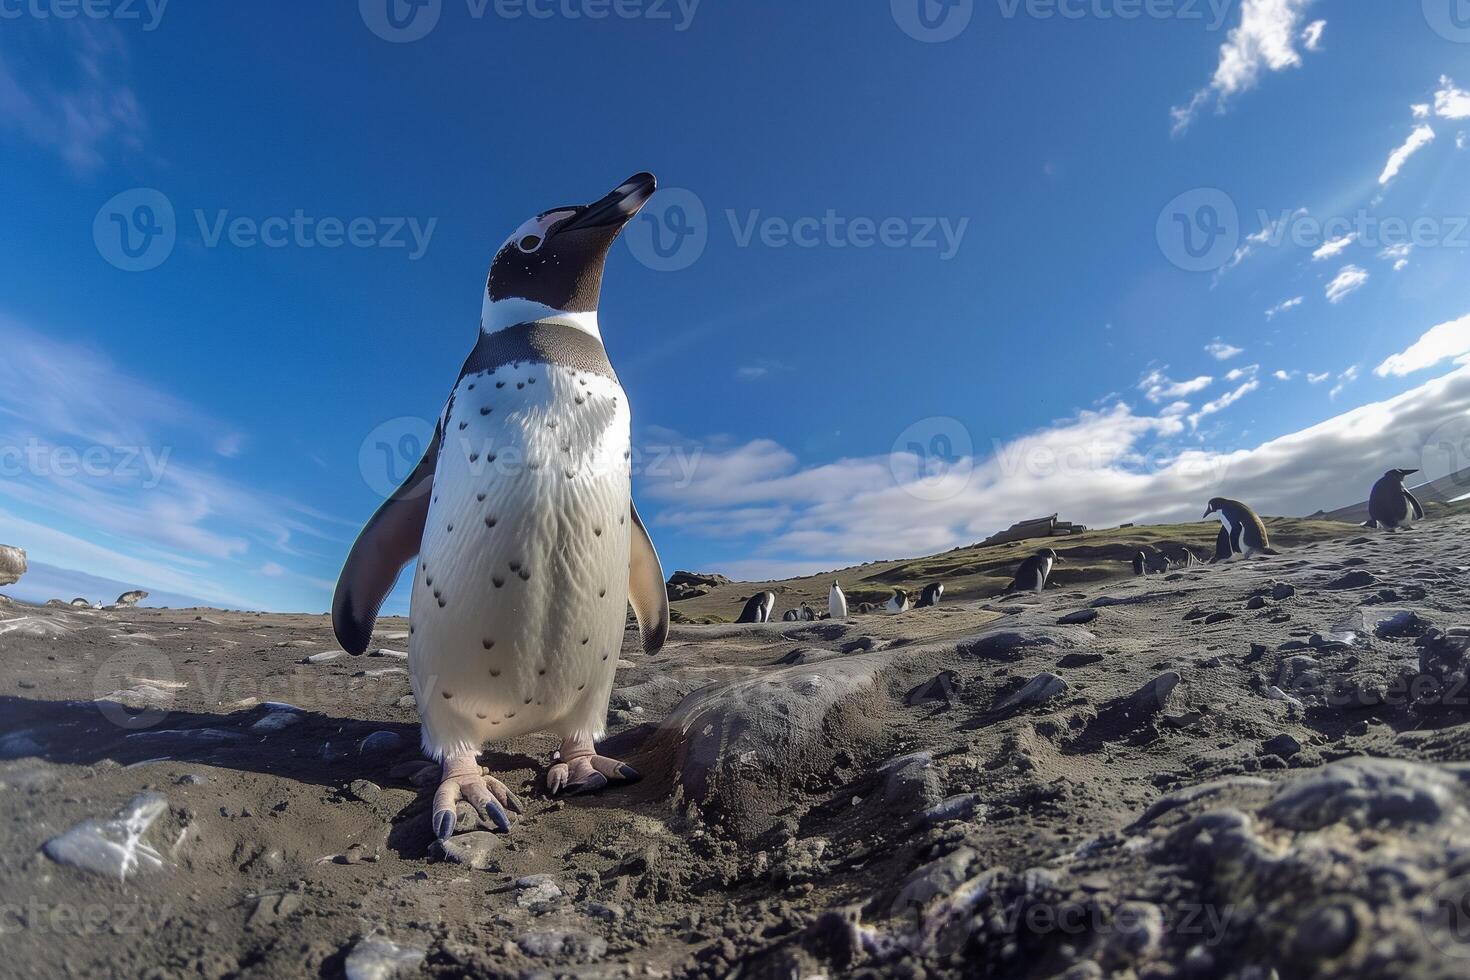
column 930, row 596
column 1391, row 506
column 758, row 608
column 899, row 603
column 1034, row 572
column 790, row 616
column 865, row 607
column 806, row 614
column 836, row 602
column 1148, row 561
column 1140, row 564
column 1247, row 535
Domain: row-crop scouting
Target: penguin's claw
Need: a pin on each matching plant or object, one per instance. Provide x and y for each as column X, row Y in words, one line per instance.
column 588, row 774
column 488, row 796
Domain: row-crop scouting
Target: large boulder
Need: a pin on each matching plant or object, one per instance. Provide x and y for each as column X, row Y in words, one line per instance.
column 12, row 564
column 131, row 598
column 688, row 585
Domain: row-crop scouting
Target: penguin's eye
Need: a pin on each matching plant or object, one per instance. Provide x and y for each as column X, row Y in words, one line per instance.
column 529, row 244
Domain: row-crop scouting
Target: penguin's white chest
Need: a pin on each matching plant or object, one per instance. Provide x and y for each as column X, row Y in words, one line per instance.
column 1046, row 564
column 520, row 592
column 1224, row 521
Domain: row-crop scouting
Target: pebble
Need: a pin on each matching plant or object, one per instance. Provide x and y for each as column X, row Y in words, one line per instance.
column 1283, row 745
column 1038, row 690
column 376, row 958
column 390, row 654
column 113, row 847
column 578, row 947
column 478, row 850
column 367, row 792
column 380, row 742
column 325, row 657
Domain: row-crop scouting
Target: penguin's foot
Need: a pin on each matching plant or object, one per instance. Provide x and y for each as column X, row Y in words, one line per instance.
column 464, row 779
column 577, row 768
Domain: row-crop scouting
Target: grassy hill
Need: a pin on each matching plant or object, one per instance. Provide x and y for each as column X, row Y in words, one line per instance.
column 981, row 572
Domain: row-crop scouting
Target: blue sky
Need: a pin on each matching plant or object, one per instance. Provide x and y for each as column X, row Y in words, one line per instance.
column 911, row 278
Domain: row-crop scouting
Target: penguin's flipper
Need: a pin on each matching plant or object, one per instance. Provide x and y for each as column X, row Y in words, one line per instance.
column 1237, row 539
column 1371, row 523
column 1414, row 503
column 646, row 589
column 389, row 541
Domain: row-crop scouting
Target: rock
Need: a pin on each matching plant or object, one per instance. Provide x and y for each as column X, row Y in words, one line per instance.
column 1256, row 602
column 534, row 890
column 390, row 654
column 859, row 645
column 908, row 782
column 1079, row 618
column 129, row 599
column 1365, row 792
column 325, row 657
column 688, row 585
column 113, row 847
column 1352, row 580
column 278, row 719
column 1038, row 690
column 607, row 913
column 966, row 806
column 367, row 792
column 941, row 687
column 80, row 604
column 1281, row 591
column 380, row 742
column 1218, row 617
column 1154, row 696
column 478, row 850
column 12, row 564
column 577, row 947
column 271, row 909
column 1011, row 644
column 1283, row 745
column 375, row 958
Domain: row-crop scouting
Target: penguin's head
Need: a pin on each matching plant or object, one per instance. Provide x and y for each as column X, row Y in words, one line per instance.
column 1216, row 505
column 1051, row 554
column 555, row 259
column 1399, row 475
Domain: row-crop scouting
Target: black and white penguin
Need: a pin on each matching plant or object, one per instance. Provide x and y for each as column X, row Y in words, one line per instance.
column 521, row 517
column 837, row 602
column 1390, row 505
column 898, row 603
column 1245, row 533
column 807, row 614
column 1034, row 572
column 758, row 608
column 931, row 595
column 790, row 616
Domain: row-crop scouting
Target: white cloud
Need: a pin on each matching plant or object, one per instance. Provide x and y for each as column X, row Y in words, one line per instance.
column 1343, row 380
column 1316, row 379
column 1254, row 241
column 1100, row 468
column 272, row 570
column 1462, row 140
column 1222, row 351
column 1243, row 372
column 69, row 92
column 1398, row 255
column 1158, row 387
column 1283, row 306
column 1451, row 102
column 1420, row 111
column 1250, row 383
column 1265, row 41
column 1284, row 375
column 1421, row 137
column 1437, row 344
column 1348, row 281
column 1312, row 35
column 1334, row 248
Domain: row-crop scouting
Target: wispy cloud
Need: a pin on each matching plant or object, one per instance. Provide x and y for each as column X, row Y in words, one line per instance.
column 1398, row 255
column 1101, row 468
column 1351, row 279
column 1265, row 41
column 1440, row 343
column 68, row 91
column 1451, row 101
column 1158, row 387
column 1283, row 306
column 1334, row 248
column 1222, row 351
column 1343, row 380
column 1421, row 137
column 1248, row 382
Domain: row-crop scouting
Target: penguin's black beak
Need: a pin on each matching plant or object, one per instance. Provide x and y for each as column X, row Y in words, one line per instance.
column 618, row 208
column 1208, row 513
column 1407, row 472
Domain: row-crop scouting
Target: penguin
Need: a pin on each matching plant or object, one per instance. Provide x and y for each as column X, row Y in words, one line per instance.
column 520, row 522
column 1246, row 534
column 1223, row 551
column 807, row 615
column 758, row 608
column 931, row 595
column 790, row 616
column 898, row 603
column 1034, row 572
column 1390, row 505
column 836, row 602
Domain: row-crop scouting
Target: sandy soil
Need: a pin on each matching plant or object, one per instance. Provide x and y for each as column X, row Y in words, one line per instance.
column 1158, row 777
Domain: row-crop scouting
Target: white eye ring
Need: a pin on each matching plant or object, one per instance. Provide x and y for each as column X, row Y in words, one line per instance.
column 536, row 240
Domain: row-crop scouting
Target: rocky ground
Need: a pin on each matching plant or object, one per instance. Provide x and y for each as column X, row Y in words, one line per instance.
column 1241, row 771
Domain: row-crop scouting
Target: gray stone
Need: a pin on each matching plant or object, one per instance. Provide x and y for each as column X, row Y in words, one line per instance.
column 367, row 792
column 129, row 599
column 1012, row 644
column 12, row 564
column 478, row 850
column 577, row 947
column 376, row 958
column 113, row 847
column 1283, row 745
column 1364, row 792
column 1038, row 690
